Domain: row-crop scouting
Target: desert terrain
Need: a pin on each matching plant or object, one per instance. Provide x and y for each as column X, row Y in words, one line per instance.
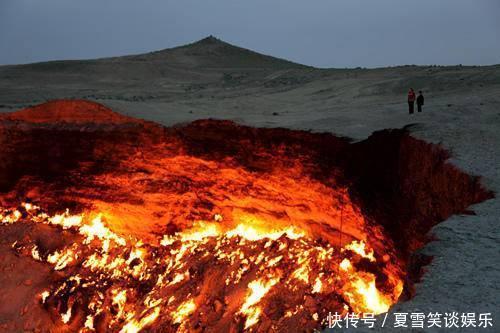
column 213, row 79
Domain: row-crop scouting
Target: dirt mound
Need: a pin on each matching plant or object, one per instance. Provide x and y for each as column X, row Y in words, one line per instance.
column 68, row 111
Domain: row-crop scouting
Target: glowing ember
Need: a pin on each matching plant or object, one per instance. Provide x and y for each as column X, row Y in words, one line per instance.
column 104, row 263
column 134, row 325
column 258, row 290
column 183, row 311
column 44, row 295
column 360, row 248
column 66, row 316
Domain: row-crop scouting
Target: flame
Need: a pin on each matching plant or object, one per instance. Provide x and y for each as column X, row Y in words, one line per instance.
column 119, row 300
column 254, row 229
column 258, row 289
column 372, row 301
column 202, row 231
column 96, row 229
column 62, row 259
column 250, row 228
column 258, row 255
column 360, row 248
column 183, row 311
column 345, row 265
column 317, row 285
column 361, row 289
column 89, row 323
column 135, row 326
column 44, row 295
column 66, row 317
column 252, row 233
column 302, row 273
column 10, row 217
column 35, row 254
column 66, row 220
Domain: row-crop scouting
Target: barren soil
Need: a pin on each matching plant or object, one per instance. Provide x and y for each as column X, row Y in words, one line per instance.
column 212, row 79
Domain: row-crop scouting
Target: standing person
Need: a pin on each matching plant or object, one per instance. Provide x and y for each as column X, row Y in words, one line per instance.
column 411, row 100
column 420, row 101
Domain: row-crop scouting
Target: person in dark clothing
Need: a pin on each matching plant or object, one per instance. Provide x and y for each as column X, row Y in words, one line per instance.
column 411, row 100
column 420, row 101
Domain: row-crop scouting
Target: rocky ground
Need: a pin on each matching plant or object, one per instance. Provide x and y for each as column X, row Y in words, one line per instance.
column 212, row 79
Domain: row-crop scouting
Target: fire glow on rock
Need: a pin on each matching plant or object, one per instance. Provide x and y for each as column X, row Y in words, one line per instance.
column 211, row 226
column 241, row 274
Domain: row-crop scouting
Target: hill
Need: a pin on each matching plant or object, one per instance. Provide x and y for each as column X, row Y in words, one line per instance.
column 213, row 52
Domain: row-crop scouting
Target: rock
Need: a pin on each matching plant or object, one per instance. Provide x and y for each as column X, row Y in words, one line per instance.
column 28, row 327
column 218, row 306
column 309, row 302
column 24, row 310
column 265, row 325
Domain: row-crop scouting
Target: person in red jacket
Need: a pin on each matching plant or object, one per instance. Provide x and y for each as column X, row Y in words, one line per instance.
column 411, row 100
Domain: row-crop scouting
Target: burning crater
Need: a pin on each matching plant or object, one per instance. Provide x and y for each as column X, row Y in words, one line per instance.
column 210, row 226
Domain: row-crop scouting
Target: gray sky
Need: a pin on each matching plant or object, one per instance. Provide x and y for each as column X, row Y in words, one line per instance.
column 323, row 33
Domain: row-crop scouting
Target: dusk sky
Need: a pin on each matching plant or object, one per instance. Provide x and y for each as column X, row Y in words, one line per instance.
column 322, row 33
